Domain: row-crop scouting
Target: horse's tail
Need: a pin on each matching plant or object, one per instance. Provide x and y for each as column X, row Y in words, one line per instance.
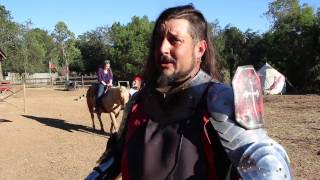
column 91, row 92
column 91, row 98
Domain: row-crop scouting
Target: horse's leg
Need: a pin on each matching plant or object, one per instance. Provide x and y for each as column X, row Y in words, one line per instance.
column 91, row 101
column 116, row 117
column 111, row 126
column 90, row 107
column 114, row 121
column 117, row 114
column 92, row 118
column 100, row 121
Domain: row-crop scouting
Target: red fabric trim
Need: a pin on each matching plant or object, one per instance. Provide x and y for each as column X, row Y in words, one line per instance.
column 137, row 118
column 124, row 166
column 212, row 172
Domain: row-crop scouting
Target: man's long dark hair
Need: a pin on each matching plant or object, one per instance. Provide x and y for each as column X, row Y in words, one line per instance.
column 199, row 31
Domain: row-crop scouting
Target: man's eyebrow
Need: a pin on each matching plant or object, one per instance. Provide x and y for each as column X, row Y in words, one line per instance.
column 173, row 34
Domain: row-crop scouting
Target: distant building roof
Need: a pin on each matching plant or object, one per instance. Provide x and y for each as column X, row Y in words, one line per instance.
column 2, row 55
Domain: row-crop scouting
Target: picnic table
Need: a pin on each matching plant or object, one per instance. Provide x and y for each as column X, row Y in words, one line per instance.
column 5, row 86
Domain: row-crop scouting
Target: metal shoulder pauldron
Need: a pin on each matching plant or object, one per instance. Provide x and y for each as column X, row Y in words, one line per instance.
column 236, row 115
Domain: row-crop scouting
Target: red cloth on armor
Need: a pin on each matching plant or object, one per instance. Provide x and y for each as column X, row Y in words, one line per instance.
column 208, row 149
column 138, row 117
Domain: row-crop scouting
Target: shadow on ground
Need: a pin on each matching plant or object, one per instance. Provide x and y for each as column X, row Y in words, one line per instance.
column 4, row 120
column 61, row 89
column 62, row 124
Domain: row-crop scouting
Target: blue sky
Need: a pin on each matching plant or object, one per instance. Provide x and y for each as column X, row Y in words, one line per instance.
column 85, row 15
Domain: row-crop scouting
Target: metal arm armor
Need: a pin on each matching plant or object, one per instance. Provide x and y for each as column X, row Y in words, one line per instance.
column 252, row 151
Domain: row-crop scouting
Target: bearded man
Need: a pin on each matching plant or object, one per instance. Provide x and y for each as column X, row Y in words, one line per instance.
column 182, row 124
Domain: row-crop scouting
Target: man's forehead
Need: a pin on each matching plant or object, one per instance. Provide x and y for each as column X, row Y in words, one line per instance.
column 174, row 26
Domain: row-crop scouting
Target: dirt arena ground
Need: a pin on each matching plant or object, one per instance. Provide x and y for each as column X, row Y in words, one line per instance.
column 54, row 139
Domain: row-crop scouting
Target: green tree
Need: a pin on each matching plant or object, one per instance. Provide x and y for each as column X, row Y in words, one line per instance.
column 94, row 47
column 233, row 43
column 295, row 42
column 253, row 52
column 219, row 45
column 10, row 41
column 68, row 53
column 129, row 46
column 38, row 43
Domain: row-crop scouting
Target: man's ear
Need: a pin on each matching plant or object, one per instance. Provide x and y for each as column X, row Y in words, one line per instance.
column 200, row 49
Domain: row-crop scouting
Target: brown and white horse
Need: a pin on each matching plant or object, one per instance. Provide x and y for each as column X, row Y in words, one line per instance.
column 112, row 102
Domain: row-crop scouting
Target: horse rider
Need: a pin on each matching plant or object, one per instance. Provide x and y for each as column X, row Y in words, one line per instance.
column 105, row 77
column 182, row 124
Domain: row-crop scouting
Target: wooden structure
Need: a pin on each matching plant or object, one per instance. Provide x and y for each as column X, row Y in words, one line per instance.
column 2, row 58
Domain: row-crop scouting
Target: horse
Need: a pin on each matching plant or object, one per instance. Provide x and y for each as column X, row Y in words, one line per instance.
column 112, row 102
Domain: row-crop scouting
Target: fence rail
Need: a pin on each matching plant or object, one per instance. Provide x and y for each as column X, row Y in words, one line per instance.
column 60, row 82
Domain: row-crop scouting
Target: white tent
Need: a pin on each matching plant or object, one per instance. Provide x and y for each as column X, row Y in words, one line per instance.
column 272, row 81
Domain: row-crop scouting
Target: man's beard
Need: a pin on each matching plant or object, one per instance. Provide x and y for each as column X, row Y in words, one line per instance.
column 177, row 77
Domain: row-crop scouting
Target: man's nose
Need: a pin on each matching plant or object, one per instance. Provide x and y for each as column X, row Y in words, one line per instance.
column 165, row 47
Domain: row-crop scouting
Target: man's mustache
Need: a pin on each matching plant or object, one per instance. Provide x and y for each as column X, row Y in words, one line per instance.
column 167, row 59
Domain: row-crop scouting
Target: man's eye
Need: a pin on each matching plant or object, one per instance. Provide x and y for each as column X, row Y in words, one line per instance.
column 175, row 40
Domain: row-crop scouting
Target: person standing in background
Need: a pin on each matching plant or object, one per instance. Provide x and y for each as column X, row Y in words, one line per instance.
column 136, row 84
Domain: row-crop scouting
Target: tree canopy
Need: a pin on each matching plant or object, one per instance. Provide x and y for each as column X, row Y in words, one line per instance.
column 292, row 45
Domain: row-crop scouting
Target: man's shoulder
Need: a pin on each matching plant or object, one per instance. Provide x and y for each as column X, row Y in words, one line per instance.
column 220, row 99
column 218, row 84
column 220, row 90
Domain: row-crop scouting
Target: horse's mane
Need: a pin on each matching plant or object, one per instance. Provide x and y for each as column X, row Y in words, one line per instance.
column 119, row 88
column 122, row 90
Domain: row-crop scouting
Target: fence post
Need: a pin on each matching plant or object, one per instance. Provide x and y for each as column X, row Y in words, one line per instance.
column 82, row 82
column 24, row 98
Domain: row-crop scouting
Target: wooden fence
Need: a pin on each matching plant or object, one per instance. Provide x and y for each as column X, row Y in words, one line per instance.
column 8, row 89
column 60, row 82
column 76, row 82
